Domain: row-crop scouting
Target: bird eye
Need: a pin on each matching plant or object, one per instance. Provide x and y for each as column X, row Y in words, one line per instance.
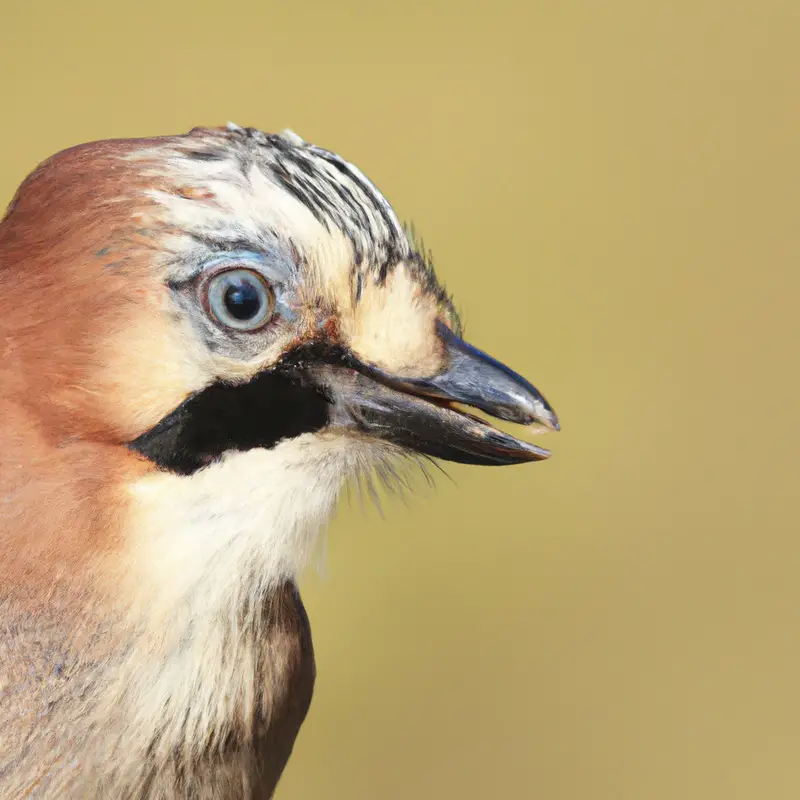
column 240, row 299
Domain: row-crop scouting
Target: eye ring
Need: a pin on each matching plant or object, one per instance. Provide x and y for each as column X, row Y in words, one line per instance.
column 239, row 299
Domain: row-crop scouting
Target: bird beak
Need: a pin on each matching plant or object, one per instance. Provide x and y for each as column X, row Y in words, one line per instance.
column 418, row 413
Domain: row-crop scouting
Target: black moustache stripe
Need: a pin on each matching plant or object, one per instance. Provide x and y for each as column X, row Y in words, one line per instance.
column 273, row 406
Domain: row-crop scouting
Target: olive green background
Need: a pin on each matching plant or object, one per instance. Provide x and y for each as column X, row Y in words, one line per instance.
column 610, row 190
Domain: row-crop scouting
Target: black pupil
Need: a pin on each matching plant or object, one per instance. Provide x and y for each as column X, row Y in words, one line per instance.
column 243, row 300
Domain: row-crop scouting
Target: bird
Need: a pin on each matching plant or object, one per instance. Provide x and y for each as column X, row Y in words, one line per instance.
column 205, row 337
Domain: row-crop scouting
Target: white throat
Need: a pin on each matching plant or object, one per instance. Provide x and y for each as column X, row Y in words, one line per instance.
column 203, row 553
column 241, row 525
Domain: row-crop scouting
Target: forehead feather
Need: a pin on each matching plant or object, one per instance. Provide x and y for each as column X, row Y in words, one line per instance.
column 244, row 184
column 267, row 176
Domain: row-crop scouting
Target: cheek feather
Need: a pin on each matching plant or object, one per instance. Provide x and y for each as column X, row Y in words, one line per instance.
column 149, row 366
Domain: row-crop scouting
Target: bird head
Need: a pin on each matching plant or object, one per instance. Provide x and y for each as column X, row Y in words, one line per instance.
column 242, row 316
column 203, row 338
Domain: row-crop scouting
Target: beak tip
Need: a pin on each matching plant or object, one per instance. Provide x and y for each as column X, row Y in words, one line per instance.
column 546, row 415
column 540, row 412
column 541, row 454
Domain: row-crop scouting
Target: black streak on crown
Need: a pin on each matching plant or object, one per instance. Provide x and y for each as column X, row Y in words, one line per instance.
column 352, row 204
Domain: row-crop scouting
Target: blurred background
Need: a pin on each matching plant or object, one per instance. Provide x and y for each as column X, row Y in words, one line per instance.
column 611, row 192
